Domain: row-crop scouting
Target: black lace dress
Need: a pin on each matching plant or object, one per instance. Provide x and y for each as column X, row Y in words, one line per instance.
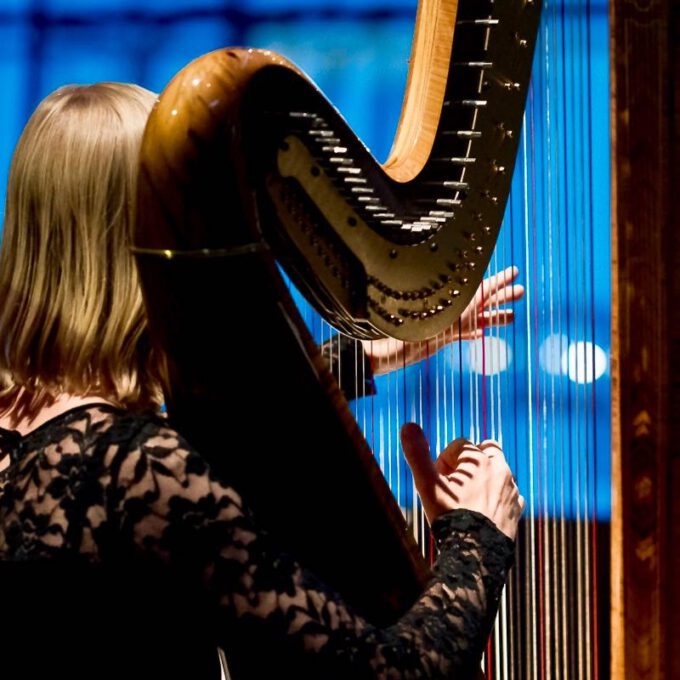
column 123, row 557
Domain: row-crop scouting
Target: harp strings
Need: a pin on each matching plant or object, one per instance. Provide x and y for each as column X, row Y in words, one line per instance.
column 526, row 384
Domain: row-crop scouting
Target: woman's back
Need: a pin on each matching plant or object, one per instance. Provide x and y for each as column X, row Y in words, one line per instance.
column 76, row 601
column 123, row 556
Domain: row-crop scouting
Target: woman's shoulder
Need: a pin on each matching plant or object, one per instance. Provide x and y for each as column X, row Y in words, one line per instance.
column 103, row 429
column 149, row 441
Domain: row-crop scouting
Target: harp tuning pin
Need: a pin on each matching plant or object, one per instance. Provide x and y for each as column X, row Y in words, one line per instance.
column 470, row 236
column 434, row 247
column 463, row 280
column 490, row 197
column 486, row 229
column 393, row 254
column 499, row 169
column 447, row 302
column 349, row 170
column 506, row 132
column 454, row 292
column 479, row 250
column 522, row 42
column 352, row 221
column 460, row 186
column 467, row 134
column 471, row 266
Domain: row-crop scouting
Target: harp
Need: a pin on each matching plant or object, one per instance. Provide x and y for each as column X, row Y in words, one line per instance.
column 548, row 630
column 243, row 131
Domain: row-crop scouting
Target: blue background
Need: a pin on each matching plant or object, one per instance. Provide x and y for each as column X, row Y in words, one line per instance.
column 555, row 430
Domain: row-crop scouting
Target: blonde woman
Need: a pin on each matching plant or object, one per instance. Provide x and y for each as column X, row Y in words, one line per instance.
column 121, row 554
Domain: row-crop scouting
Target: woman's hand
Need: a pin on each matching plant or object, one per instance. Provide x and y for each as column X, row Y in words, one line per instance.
column 464, row 476
column 484, row 311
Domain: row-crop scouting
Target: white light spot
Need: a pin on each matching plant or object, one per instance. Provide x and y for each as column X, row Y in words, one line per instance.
column 196, row 81
column 584, row 362
column 491, row 358
column 550, row 353
column 173, row 112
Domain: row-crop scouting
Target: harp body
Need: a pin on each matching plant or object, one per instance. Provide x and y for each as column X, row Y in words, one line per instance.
column 245, row 163
column 641, row 616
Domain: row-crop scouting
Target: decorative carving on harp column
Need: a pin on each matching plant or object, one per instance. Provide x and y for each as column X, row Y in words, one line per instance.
column 245, row 163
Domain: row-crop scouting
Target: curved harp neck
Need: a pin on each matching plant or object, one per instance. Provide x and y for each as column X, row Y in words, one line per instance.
column 425, row 89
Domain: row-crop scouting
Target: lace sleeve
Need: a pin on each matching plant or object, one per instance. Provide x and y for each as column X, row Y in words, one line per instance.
column 169, row 506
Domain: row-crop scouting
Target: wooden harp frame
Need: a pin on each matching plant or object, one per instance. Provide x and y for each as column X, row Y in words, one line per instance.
column 196, row 165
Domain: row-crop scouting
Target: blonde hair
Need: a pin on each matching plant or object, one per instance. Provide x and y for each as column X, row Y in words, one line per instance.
column 71, row 311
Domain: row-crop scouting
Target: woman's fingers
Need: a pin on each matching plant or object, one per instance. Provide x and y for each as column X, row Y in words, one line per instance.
column 503, row 295
column 496, row 317
column 417, row 452
column 464, row 476
column 436, row 495
column 491, row 447
column 448, row 458
column 490, row 286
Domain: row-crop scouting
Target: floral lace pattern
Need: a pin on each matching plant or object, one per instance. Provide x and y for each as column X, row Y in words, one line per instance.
column 96, row 484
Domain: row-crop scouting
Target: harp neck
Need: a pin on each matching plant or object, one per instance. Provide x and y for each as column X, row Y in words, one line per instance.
column 425, row 89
